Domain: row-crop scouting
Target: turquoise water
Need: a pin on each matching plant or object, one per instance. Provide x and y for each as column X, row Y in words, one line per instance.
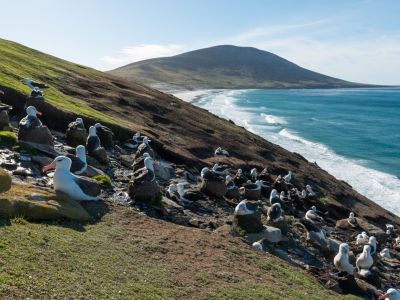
column 352, row 133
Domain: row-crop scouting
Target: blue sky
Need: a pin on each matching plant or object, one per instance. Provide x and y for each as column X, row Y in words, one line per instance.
column 353, row 40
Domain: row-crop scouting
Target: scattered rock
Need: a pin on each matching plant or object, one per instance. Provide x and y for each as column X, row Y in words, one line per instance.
column 213, row 188
column 37, row 135
column 5, row 181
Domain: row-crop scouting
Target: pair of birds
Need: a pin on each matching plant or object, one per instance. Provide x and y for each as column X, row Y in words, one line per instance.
column 363, row 263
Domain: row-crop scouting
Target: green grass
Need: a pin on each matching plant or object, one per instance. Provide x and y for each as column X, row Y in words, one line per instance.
column 112, row 260
column 18, row 62
column 43, row 261
column 8, row 138
column 103, row 180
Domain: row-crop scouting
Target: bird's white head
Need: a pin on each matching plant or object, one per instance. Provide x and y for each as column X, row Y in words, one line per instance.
column 181, row 188
column 239, row 171
column 282, row 194
column 60, row 163
column 228, row 178
column 80, row 121
column 145, row 155
column 81, row 152
column 344, row 248
column 273, row 194
column 367, row 249
column 32, row 111
column 146, row 141
column 372, row 241
column 351, row 215
column 172, row 188
column 92, row 131
column 204, row 170
column 391, row 294
column 148, row 162
column 313, row 208
column 97, row 125
column 253, row 172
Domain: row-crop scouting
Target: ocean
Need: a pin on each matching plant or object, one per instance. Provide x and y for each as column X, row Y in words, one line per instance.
column 354, row 134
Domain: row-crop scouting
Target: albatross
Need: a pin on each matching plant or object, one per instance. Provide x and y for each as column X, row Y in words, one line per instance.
column 75, row 187
column 31, row 120
column 341, row 260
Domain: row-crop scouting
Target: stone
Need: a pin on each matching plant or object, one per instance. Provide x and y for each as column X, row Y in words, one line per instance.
column 170, row 204
column 100, row 154
column 213, row 188
column 281, row 224
column 372, row 230
column 38, row 135
column 4, row 119
column 250, row 223
column 105, row 135
column 75, row 135
column 252, row 191
column 5, row 181
column 21, row 171
column 271, row 234
column 145, row 191
column 127, row 160
column 232, row 193
column 41, row 160
column 46, row 149
column 45, row 207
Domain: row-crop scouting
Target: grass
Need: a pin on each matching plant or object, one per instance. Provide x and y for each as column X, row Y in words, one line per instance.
column 7, row 138
column 122, row 256
column 18, row 62
column 45, row 261
column 103, row 180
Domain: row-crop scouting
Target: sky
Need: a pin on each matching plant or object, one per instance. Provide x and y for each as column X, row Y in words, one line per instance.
column 353, row 40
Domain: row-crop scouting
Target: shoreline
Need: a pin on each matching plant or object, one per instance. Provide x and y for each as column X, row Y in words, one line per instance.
column 332, row 162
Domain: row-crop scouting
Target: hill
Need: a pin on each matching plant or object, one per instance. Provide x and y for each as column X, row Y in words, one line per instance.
column 227, row 67
column 49, row 260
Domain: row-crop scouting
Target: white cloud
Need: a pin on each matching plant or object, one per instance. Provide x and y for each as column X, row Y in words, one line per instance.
column 140, row 52
column 360, row 58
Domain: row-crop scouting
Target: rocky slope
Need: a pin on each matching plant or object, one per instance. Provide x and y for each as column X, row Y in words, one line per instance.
column 184, row 138
column 228, row 67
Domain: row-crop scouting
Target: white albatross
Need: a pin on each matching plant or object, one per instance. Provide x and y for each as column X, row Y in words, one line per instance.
column 341, row 260
column 362, row 238
column 77, row 188
column 365, row 260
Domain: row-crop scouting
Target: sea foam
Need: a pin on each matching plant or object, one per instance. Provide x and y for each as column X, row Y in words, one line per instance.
column 380, row 187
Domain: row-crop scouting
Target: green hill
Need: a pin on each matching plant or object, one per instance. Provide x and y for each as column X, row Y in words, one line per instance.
column 123, row 254
column 227, row 67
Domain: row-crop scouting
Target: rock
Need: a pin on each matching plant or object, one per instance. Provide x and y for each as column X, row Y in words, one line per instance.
column 100, row 154
column 252, row 191
column 372, row 230
column 281, row 224
column 127, row 160
column 4, row 119
column 37, row 135
column 271, row 234
column 48, row 208
column 232, row 193
column 105, row 135
column 41, row 160
column 21, row 171
column 248, row 223
column 5, row 181
column 170, row 204
column 213, row 188
column 46, row 149
column 144, row 191
column 76, row 134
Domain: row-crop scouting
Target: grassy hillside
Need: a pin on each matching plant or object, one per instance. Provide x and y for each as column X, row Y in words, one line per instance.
column 128, row 256
column 227, row 67
column 44, row 261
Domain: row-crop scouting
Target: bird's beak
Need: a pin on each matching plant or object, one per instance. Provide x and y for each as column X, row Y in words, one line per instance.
column 48, row 167
column 383, row 297
column 39, row 113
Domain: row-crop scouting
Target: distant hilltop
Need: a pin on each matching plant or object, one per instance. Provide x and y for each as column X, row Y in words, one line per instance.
column 229, row 67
